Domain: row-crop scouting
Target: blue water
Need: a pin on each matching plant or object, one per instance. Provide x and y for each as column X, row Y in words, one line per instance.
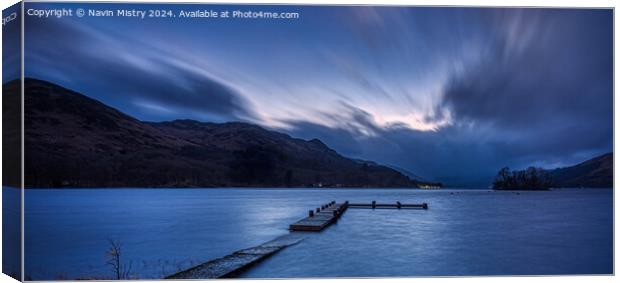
column 11, row 232
column 464, row 232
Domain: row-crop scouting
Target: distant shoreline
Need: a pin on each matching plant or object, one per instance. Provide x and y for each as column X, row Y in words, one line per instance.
column 520, row 190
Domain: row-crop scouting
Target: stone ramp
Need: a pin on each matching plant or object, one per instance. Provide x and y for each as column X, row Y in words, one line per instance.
column 235, row 263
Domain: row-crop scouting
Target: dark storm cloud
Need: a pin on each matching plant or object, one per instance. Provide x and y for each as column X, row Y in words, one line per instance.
column 560, row 75
column 127, row 71
column 557, row 85
column 433, row 155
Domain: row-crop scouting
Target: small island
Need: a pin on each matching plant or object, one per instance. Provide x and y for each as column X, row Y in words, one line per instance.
column 531, row 179
column 596, row 172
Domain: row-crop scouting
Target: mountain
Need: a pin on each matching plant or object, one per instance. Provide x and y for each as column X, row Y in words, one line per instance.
column 597, row 172
column 407, row 173
column 72, row 140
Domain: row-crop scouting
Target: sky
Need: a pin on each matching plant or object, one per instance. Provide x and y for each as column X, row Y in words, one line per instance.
column 450, row 94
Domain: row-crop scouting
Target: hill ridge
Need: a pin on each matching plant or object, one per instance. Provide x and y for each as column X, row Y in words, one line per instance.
column 72, row 140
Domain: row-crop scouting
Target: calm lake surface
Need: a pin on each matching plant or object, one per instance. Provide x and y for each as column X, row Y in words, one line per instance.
column 464, row 232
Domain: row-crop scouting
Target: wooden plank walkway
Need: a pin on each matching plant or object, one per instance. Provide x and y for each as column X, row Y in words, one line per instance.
column 397, row 205
column 320, row 218
column 232, row 265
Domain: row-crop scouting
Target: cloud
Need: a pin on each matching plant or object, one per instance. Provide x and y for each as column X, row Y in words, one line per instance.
column 559, row 73
column 127, row 74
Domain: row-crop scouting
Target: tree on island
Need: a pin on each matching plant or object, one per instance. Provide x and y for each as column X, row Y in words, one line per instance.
column 530, row 179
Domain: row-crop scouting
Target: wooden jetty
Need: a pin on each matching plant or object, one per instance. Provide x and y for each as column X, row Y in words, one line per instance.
column 397, row 205
column 321, row 217
column 318, row 219
column 327, row 214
